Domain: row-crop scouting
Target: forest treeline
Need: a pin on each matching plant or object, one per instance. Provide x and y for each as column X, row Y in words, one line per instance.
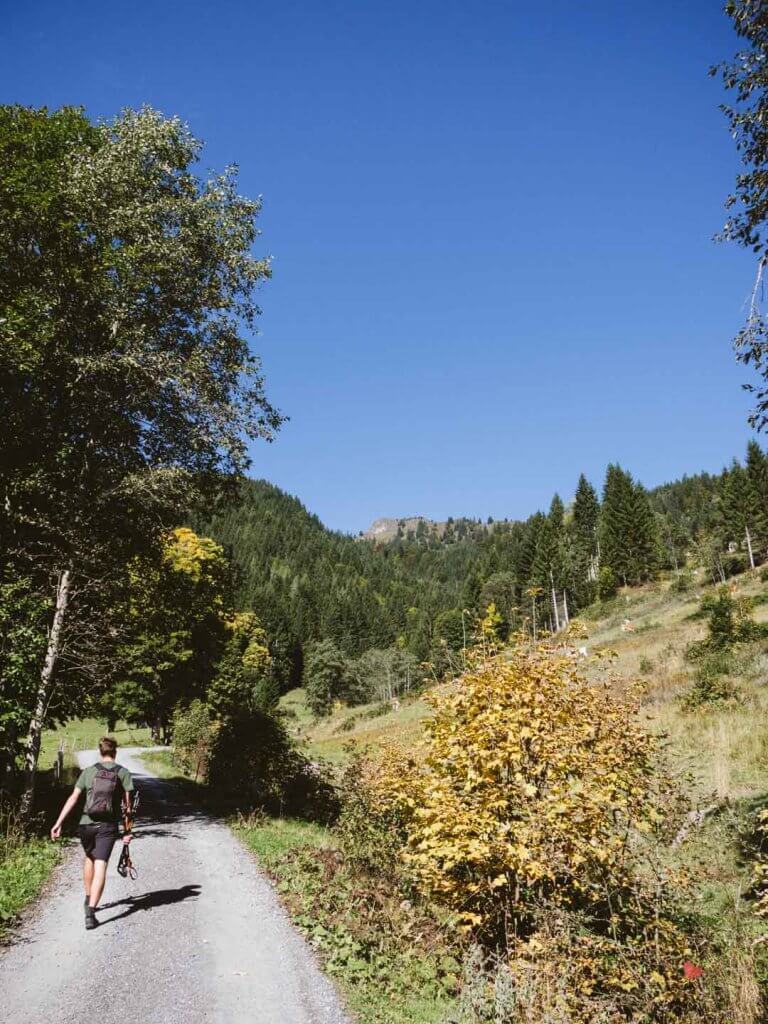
column 422, row 593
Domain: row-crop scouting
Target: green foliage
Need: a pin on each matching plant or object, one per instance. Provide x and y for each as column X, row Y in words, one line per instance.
column 23, row 615
column 128, row 389
column 747, row 76
column 254, row 764
column 244, row 679
column 174, row 629
column 23, row 871
column 26, row 863
column 629, row 542
column 451, row 625
column 383, row 675
column 682, row 583
column 194, row 729
column 328, row 677
column 308, row 584
column 607, row 585
column 729, row 623
column 394, row 962
column 711, row 685
column 584, row 540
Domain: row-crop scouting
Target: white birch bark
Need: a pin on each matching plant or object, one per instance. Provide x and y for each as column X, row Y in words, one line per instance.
column 44, row 690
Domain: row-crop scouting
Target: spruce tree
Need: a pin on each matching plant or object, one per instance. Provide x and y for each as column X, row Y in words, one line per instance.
column 757, row 472
column 548, row 570
column 583, row 537
column 628, row 531
column 740, row 511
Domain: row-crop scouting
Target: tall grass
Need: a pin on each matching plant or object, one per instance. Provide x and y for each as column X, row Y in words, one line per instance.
column 26, row 863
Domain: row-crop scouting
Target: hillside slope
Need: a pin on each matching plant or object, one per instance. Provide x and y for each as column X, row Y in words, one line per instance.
column 724, row 747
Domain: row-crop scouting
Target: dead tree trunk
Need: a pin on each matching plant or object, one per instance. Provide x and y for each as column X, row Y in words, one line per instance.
column 566, row 616
column 44, row 690
column 749, row 548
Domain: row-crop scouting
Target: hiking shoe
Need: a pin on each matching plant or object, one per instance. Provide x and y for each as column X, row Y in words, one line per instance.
column 90, row 918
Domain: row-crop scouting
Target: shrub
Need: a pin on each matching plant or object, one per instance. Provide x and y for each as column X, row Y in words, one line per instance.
column 193, row 732
column 525, row 819
column 645, row 667
column 607, row 584
column 254, row 762
column 730, row 623
column 682, row 582
column 371, row 832
column 711, row 683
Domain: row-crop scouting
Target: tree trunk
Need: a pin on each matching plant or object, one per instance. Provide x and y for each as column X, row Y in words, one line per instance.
column 44, row 690
column 749, row 548
column 565, row 607
column 554, row 602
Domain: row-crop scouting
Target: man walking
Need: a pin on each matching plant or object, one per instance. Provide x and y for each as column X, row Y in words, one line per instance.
column 106, row 785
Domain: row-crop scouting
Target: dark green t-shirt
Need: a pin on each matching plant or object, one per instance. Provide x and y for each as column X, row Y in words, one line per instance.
column 85, row 782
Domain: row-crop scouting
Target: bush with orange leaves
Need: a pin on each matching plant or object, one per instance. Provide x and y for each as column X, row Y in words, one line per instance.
column 526, row 815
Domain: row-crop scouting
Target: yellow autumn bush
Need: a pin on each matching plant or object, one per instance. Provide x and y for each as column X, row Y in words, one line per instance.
column 524, row 814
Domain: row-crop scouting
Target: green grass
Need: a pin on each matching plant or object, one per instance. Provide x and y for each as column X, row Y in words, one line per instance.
column 161, row 763
column 84, row 734
column 366, row 725
column 272, row 838
column 27, row 856
column 24, row 870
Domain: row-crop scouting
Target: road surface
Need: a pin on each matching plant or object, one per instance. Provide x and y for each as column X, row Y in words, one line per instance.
column 198, row 937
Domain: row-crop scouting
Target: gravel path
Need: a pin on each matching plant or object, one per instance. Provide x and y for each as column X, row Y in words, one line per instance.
column 198, row 937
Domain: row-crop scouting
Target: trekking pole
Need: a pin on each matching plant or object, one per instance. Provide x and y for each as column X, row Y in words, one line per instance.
column 125, row 866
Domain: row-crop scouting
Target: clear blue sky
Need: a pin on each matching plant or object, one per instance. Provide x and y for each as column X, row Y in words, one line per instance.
column 491, row 226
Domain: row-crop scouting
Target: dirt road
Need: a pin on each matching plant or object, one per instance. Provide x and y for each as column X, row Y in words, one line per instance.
column 198, row 937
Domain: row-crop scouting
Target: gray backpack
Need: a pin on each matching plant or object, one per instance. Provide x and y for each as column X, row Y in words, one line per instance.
column 103, row 802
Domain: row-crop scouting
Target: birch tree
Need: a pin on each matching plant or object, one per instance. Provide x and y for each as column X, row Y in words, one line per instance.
column 128, row 390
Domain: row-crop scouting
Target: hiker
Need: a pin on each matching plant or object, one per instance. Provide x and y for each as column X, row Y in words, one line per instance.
column 106, row 785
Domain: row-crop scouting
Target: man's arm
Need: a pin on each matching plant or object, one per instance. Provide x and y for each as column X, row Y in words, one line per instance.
column 72, row 799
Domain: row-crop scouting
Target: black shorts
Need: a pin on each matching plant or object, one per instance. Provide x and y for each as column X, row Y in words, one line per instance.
column 99, row 839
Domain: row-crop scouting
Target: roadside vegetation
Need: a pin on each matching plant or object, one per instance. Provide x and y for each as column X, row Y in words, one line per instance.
column 421, row 906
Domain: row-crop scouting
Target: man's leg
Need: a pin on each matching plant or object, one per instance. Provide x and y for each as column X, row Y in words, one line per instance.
column 87, row 875
column 97, row 882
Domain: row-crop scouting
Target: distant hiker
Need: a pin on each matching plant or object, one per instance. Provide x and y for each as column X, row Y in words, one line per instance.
column 107, row 786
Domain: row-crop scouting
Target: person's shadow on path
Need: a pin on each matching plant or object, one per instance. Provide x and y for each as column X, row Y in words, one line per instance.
column 150, row 900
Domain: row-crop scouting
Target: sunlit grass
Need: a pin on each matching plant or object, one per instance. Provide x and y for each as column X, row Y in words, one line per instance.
column 84, row 734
